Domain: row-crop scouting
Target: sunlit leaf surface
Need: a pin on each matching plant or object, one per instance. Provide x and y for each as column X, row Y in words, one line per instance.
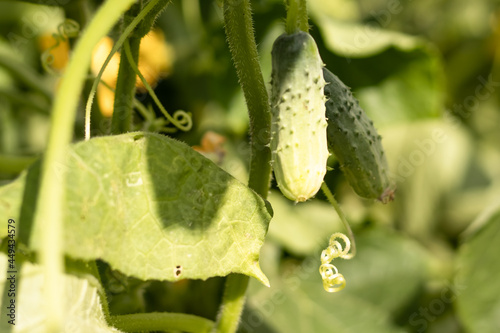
column 153, row 208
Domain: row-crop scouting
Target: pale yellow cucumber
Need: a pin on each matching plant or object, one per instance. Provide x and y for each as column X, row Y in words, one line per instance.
column 299, row 142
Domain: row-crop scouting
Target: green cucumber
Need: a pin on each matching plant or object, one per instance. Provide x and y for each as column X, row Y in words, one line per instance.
column 353, row 139
column 298, row 141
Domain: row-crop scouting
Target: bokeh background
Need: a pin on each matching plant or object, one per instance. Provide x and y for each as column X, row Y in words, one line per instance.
column 426, row 72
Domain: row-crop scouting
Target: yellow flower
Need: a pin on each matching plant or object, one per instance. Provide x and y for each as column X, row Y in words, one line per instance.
column 59, row 54
column 105, row 97
column 155, row 62
column 155, row 58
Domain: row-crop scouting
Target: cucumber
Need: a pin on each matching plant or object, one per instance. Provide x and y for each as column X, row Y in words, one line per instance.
column 298, row 141
column 353, row 139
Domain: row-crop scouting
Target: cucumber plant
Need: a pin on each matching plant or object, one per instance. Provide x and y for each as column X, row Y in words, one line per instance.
column 187, row 192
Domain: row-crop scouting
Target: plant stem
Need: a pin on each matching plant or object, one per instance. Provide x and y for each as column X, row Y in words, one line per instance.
column 79, row 11
column 181, row 119
column 303, row 18
column 126, row 32
column 341, row 214
column 48, row 215
column 100, row 289
column 241, row 39
column 157, row 321
column 145, row 113
column 233, row 302
column 125, row 86
column 296, row 17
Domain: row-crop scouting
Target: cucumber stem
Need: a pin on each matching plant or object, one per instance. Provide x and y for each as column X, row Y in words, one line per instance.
column 241, row 40
column 296, row 18
column 181, row 119
column 126, row 32
column 341, row 214
column 125, row 85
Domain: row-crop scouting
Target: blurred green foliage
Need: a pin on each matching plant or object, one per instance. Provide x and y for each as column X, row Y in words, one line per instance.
column 427, row 72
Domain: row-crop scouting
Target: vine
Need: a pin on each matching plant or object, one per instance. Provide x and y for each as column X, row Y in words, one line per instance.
column 66, row 30
column 333, row 281
column 181, row 119
column 296, row 18
column 151, row 10
column 125, row 87
column 48, row 211
column 241, row 40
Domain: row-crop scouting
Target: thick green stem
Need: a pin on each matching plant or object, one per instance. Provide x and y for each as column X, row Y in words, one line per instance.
column 152, row 8
column 79, row 11
column 156, row 321
column 125, row 86
column 241, row 39
column 303, row 18
column 233, row 302
column 48, row 213
column 100, row 290
column 296, row 17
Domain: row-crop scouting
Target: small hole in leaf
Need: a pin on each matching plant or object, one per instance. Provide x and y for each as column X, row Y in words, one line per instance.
column 178, row 270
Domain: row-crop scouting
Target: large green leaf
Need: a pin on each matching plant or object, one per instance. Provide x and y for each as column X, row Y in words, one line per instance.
column 477, row 289
column 82, row 303
column 153, row 208
column 382, row 280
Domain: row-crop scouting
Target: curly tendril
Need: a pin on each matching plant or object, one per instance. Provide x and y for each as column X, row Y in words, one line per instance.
column 180, row 119
column 67, row 29
column 151, row 122
column 333, row 281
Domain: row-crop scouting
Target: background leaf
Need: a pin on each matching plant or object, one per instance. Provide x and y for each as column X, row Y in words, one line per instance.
column 395, row 76
column 478, row 268
column 417, row 153
column 382, row 280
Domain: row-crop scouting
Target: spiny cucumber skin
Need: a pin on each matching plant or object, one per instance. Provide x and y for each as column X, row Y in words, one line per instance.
column 298, row 141
column 355, row 142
